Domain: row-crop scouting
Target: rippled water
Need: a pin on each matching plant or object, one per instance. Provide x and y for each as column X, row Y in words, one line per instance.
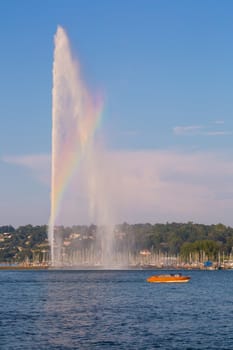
column 114, row 310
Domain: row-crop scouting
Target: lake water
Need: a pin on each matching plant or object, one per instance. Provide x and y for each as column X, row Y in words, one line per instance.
column 114, row 310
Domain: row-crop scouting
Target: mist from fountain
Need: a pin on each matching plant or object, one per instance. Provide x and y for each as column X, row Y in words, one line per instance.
column 75, row 117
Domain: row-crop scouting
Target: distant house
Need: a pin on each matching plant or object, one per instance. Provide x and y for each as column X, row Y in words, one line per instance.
column 145, row 252
column 74, row 235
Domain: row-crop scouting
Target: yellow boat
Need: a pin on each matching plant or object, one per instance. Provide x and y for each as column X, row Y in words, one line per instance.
column 176, row 278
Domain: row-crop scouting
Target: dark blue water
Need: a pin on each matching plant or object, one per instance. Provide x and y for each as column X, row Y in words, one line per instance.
column 114, row 310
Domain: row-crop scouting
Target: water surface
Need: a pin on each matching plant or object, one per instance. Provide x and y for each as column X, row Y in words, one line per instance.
column 114, row 310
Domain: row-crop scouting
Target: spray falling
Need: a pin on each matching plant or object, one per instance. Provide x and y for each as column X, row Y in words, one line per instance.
column 75, row 117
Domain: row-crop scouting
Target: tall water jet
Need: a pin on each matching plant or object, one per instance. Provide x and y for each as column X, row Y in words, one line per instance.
column 75, row 116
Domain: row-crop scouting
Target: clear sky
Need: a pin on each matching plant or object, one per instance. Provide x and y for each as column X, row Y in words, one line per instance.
column 166, row 70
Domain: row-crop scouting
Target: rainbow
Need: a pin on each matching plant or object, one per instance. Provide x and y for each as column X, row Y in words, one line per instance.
column 70, row 160
column 75, row 118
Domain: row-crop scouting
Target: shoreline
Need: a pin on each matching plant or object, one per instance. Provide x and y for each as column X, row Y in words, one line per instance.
column 99, row 268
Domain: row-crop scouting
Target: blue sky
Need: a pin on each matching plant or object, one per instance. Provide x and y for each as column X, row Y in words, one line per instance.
column 165, row 68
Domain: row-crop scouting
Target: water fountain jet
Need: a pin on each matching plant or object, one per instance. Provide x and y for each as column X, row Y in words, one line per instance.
column 75, row 116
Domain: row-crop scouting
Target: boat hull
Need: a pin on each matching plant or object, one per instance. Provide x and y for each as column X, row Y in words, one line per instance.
column 168, row 279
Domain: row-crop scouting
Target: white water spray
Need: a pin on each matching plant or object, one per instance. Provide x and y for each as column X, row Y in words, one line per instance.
column 74, row 120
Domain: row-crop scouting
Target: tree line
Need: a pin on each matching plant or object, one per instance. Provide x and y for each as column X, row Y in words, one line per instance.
column 183, row 239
